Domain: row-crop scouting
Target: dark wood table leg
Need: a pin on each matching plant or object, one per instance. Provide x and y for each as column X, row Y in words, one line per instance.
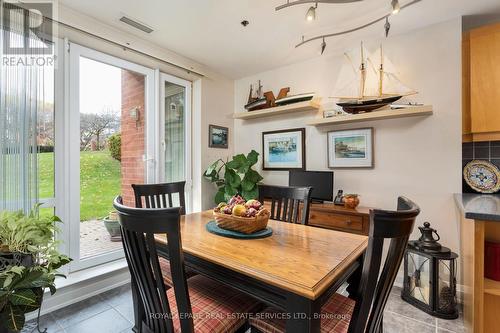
column 354, row 280
column 138, row 309
column 303, row 315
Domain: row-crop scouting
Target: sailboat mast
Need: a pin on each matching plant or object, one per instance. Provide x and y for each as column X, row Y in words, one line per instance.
column 362, row 70
column 381, row 73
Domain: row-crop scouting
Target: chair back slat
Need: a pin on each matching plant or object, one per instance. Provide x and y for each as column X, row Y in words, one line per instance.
column 159, row 195
column 286, row 202
column 138, row 227
column 375, row 286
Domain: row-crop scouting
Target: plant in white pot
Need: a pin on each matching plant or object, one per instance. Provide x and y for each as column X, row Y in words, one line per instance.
column 29, row 261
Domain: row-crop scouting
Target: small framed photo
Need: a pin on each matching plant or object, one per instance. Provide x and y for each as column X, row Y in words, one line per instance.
column 350, row 148
column 284, row 150
column 218, row 136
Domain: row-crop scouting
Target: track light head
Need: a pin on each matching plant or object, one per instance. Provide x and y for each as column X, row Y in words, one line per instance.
column 387, row 27
column 395, row 7
column 311, row 13
column 323, row 47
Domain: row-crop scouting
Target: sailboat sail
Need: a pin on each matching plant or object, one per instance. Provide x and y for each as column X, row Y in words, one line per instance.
column 386, row 80
column 375, row 77
column 348, row 82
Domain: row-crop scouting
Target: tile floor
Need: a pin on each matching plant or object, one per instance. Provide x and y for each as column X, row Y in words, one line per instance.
column 111, row 312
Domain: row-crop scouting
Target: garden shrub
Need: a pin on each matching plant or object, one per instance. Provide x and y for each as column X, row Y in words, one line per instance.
column 115, row 146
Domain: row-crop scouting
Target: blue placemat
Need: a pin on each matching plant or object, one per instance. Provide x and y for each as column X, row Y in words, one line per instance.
column 214, row 229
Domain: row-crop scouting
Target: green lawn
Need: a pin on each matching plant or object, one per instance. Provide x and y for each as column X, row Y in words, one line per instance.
column 100, row 182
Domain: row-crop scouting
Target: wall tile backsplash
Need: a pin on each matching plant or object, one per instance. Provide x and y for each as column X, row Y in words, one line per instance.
column 487, row 150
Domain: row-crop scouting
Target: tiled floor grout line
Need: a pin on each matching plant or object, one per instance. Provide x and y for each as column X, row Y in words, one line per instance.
column 413, row 319
column 110, row 307
column 121, row 314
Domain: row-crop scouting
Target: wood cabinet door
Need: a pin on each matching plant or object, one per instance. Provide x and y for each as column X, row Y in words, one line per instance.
column 485, row 79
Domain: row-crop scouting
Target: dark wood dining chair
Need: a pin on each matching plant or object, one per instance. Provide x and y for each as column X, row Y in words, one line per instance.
column 195, row 304
column 288, row 204
column 364, row 313
column 161, row 196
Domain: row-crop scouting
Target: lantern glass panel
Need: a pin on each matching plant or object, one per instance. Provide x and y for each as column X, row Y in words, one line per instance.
column 419, row 277
column 446, row 283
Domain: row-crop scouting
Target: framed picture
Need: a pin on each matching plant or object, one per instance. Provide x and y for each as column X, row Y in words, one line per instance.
column 350, row 148
column 284, row 150
column 218, row 136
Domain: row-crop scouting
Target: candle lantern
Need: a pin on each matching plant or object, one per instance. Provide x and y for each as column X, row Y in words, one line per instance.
column 430, row 275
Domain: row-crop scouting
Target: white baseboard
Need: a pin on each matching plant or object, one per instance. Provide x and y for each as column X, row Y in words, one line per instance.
column 82, row 289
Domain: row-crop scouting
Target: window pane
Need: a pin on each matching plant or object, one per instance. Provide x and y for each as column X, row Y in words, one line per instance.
column 111, row 150
column 175, row 133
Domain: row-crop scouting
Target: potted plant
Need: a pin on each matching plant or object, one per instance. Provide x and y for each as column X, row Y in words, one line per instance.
column 29, row 261
column 239, row 177
column 113, row 226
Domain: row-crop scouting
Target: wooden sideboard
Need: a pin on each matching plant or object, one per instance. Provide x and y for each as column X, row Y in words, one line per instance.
column 334, row 217
column 330, row 216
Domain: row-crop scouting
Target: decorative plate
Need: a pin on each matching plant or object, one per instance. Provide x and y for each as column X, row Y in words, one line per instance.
column 482, row 176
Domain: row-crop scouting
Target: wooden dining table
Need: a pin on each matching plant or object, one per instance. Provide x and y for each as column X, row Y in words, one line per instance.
column 296, row 269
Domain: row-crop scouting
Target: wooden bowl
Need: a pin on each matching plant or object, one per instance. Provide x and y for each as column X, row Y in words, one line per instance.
column 246, row 225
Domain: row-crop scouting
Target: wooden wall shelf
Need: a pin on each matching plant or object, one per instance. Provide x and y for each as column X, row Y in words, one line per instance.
column 312, row 105
column 413, row 111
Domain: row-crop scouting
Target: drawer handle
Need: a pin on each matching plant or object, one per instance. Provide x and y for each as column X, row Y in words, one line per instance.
column 348, row 222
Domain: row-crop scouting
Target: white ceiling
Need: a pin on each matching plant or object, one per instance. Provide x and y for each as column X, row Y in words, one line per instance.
column 209, row 31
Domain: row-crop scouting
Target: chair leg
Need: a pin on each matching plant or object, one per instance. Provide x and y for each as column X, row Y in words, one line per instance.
column 138, row 309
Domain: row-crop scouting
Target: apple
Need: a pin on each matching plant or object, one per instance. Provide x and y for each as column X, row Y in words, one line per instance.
column 251, row 212
column 239, row 210
column 236, row 200
column 253, row 204
column 228, row 210
column 220, row 206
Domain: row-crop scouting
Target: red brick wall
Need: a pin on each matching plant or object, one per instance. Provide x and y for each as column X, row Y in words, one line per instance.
column 132, row 134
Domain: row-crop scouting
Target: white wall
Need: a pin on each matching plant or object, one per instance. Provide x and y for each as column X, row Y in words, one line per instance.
column 416, row 157
column 217, row 102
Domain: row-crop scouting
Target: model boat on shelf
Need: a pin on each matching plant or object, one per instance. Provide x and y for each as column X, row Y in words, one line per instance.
column 368, row 87
column 258, row 100
column 294, row 99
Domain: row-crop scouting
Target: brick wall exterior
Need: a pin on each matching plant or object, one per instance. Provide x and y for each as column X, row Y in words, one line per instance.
column 132, row 132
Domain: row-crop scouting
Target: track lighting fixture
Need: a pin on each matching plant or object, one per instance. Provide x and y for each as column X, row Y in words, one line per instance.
column 311, row 13
column 323, row 46
column 387, row 27
column 395, row 7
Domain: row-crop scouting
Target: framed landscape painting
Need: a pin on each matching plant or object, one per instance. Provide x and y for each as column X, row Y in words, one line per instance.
column 284, row 150
column 218, row 136
column 350, row 148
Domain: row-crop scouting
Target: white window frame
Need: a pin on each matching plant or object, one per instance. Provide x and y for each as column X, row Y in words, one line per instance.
column 71, row 151
column 160, row 150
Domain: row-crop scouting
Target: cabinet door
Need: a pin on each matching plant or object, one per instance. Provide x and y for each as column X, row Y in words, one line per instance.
column 485, row 79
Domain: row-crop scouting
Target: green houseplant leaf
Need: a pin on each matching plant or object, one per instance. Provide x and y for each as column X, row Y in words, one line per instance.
column 15, row 317
column 22, row 287
column 239, row 177
column 23, row 297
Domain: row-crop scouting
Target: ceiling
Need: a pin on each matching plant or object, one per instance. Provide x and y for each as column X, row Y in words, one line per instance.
column 209, row 31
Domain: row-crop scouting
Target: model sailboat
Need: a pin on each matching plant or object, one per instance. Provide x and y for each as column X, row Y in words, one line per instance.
column 369, row 86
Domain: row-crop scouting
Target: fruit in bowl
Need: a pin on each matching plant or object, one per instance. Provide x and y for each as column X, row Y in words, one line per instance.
column 237, row 206
column 238, row 215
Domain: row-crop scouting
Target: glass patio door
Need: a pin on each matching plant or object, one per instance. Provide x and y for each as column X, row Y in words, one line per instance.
column 109, row 103
column 175, row 133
